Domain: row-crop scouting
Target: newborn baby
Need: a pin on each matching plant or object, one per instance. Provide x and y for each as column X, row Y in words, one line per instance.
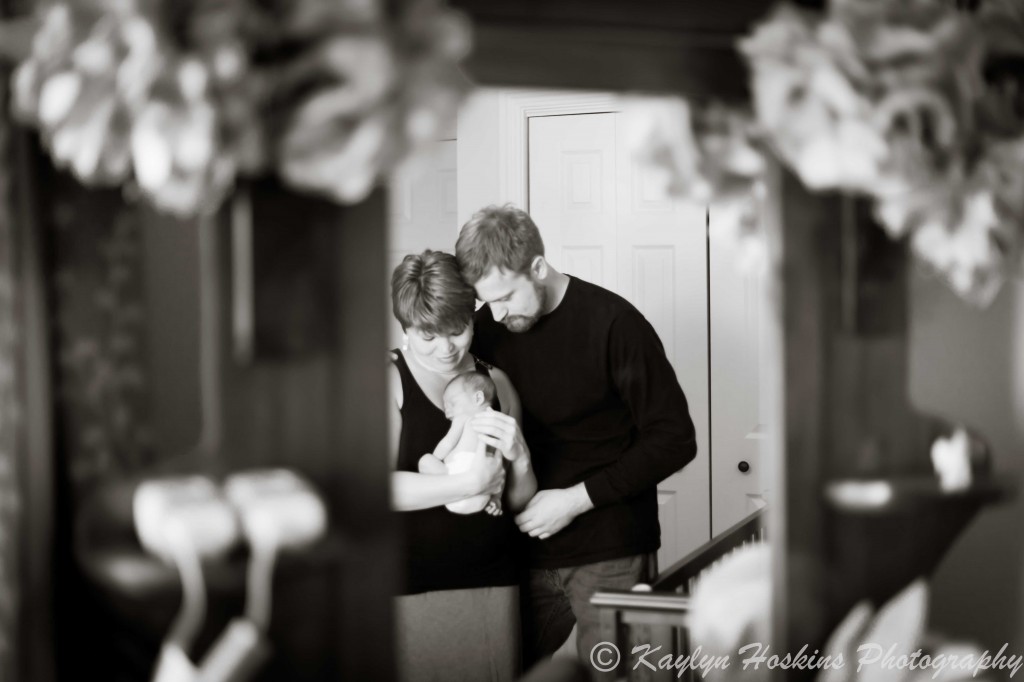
column 464, row 396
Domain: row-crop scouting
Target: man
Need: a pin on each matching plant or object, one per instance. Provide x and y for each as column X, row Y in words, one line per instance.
column 603, row 415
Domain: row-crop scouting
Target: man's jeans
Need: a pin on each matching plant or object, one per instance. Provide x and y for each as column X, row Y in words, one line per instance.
column 556, row 599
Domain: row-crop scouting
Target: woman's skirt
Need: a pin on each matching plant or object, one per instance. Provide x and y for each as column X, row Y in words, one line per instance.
column 458, row 635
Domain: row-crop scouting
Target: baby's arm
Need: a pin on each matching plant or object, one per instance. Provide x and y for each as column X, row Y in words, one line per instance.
column 429, row 464
column 434, row 463
column 451, row 439
column 458, row 439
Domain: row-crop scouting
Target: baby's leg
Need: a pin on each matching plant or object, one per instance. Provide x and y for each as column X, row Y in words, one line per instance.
column 494, row 506
column 429, row 464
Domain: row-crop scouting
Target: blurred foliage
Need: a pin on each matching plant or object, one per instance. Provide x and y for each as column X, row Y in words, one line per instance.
column 915, row 105
column 178, row 98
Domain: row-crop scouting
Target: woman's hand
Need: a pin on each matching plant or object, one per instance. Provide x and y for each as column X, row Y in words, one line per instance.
column 486, row 476
column 502, row 433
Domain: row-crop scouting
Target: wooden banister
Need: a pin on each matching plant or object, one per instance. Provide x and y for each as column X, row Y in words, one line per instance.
column 657, row 616
column 678, row 576
column 671, row 603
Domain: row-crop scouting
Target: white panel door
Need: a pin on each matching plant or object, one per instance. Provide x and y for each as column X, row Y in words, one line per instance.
column 662, row 252
column 423, row 212
column 738, row 358
column 603, row 221
column 572, row 193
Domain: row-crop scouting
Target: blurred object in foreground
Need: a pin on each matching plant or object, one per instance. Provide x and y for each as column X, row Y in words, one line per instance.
column 705, row 154
column 951, row 458
column 915, row 106
column 177, row 99
column 731, row 603
column 278, row 511
column 880, row 645
column 184, row 521
column 191, row 520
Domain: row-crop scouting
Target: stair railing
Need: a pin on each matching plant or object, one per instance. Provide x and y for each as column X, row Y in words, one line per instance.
column 651, row 621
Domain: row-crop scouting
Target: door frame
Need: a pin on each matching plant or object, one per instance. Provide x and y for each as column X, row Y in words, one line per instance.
column 516, row 108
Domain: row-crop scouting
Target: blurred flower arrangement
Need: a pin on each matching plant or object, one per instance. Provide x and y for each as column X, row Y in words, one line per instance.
column 897, row 100
column 180, row 98
column 901, row 101
column 707, row 154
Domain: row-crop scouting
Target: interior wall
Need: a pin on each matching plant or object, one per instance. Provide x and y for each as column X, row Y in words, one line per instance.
column 479, row 148
column 422, row 210
column 968, row 365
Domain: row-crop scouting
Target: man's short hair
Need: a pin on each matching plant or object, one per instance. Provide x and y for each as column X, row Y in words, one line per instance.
column 429, row 293
column 473, row 381
column 497, row 236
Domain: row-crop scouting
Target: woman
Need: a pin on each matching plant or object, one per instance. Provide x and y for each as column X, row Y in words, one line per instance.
column 458, row 614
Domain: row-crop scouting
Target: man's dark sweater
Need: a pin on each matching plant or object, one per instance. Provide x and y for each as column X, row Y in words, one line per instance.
column 601, row 405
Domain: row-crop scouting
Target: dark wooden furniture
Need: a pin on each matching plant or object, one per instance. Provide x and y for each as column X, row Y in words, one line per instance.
column 846, row 417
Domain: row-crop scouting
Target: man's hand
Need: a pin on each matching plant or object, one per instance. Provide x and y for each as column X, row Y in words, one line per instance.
column 552, row 510
column 502, row 433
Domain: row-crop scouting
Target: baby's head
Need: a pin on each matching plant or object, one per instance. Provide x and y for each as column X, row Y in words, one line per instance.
column 468, row 393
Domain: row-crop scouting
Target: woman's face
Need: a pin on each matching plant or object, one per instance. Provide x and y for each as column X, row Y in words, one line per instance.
column 438, row 352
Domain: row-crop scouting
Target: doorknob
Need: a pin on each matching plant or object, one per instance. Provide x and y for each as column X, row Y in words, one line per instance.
column 743, row 466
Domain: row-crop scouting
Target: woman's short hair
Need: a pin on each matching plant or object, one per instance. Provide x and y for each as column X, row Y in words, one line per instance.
column 498, row 236
column 429, row 293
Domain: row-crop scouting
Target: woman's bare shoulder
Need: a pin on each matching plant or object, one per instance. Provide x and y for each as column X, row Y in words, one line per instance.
column 394, row 379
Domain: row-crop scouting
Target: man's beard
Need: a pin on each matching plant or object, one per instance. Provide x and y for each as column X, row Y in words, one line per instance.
column 522, row 323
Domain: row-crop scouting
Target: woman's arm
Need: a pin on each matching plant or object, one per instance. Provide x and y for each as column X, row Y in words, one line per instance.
column 411, row 491
column 503, row 433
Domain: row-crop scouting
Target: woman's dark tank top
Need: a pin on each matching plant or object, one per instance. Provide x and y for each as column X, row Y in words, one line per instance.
column 444, row 550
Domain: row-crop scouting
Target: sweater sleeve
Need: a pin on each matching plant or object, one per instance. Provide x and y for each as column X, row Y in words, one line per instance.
column 645, row 380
